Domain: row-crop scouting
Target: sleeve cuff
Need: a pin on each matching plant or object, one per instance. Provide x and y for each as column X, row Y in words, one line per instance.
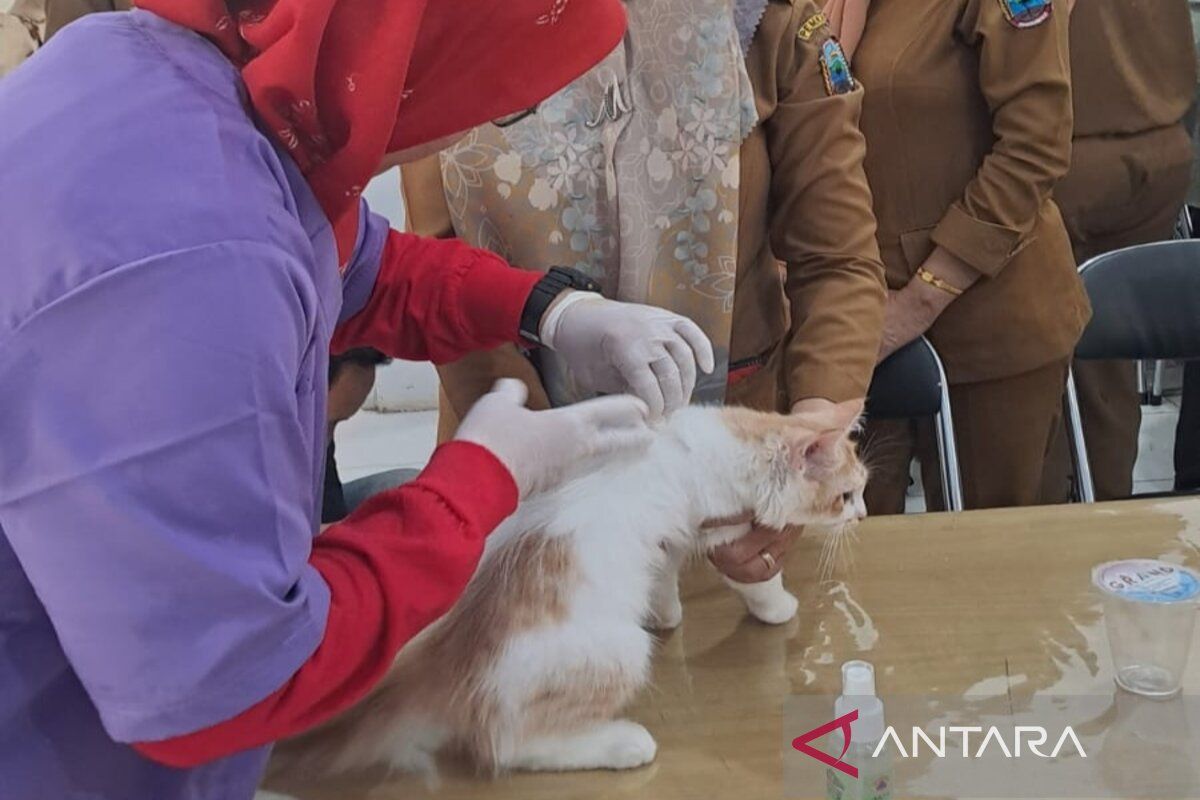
column 832, row 384
column 493, row 296
column 474, row 482
column 986, row 247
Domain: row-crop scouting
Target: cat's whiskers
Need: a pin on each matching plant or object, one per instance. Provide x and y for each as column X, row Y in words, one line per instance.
column 825, row 564
column 837, row 550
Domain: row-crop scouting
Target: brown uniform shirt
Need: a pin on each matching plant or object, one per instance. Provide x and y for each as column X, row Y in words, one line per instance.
column 1133, row 64
column 968, row 126
column 804, row 201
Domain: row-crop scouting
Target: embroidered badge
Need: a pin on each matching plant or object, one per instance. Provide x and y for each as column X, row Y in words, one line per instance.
column 836, row 68
column 813, row 24
column 1027, row 13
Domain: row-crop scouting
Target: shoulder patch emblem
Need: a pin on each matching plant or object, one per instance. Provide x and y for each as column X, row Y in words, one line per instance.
column 811, row 25
column 1027, row 13
column 836, row 68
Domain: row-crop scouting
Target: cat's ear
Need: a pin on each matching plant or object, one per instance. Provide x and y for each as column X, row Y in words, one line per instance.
column 817, row 436
column 801, row 443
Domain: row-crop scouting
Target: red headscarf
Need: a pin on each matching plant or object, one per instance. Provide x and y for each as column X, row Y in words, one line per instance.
column 342, row 83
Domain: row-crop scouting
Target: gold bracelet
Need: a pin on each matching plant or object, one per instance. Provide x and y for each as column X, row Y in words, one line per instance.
column 938, row 283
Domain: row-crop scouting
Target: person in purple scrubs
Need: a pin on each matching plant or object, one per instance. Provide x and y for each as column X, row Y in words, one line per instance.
column 181, row 244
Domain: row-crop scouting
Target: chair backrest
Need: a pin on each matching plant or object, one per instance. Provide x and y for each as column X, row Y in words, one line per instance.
column 908, row 384
column 1145, row 302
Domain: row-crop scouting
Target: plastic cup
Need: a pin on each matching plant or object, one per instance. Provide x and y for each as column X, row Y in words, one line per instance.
column 1150, row 612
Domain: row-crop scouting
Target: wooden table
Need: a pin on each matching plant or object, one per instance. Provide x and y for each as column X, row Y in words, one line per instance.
column 983, row 602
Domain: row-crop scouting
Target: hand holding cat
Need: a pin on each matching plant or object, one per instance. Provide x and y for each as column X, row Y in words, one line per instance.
column 539, row 446
column 744, row 561
column 624, row 347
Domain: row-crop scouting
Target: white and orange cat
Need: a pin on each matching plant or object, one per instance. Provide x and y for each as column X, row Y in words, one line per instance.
column 532, row 667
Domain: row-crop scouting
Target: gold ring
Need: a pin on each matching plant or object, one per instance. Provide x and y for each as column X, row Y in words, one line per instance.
column 768, row 559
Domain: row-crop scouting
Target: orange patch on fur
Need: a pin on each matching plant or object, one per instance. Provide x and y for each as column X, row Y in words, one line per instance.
column 577, row 698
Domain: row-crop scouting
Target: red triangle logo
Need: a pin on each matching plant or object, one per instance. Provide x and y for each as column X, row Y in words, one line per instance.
column 801, row 743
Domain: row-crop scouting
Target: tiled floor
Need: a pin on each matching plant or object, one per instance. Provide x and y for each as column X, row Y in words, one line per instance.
column 373, row 442
column 1155, row 470
column 370, row 442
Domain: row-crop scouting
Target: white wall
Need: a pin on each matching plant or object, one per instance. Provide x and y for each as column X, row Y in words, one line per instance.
column 401, row 385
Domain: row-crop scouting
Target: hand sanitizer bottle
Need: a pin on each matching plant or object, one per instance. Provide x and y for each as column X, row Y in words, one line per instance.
column 874, row 781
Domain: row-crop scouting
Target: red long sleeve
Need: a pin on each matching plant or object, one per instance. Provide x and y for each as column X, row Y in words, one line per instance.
column 437, row 300
column 393, row 567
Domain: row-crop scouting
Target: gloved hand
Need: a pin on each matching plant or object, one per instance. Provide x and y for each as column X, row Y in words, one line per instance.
column 539, row 446
column 624, row 347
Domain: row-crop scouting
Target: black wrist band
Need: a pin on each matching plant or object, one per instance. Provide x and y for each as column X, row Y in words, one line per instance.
column 545, row 292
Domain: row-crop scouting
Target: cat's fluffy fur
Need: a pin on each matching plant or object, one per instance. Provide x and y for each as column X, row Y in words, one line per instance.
column 533, row 665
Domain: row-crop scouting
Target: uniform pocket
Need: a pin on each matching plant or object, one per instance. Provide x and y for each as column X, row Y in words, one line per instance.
column 1161, row 163
column 1158, row 171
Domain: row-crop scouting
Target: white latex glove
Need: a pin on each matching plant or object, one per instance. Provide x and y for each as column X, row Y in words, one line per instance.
column 624, row 347
column 539, row 446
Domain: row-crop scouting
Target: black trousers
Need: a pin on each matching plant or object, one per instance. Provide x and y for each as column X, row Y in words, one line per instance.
column 1187, row 435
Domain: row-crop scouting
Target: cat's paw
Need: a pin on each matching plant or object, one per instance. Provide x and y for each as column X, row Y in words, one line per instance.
column 767, row 601
column 665, row 615
column 777, row 609
column 631, row 746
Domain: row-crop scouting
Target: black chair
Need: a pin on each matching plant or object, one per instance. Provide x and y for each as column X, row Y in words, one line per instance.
column 911, row 384
column 1150, row 373
column 1145, row 306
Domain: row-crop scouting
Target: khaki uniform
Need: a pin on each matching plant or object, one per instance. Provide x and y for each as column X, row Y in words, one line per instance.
column 968, row 125
column 1134, row 72
column 804, row 201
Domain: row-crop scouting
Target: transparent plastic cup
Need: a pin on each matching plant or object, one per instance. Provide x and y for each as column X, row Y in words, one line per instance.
column 1150, row 612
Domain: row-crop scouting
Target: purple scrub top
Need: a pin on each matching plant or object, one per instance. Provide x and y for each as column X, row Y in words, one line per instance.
column 168, row 289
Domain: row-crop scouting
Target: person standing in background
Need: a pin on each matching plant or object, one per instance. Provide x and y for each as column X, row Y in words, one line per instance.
column 1133, row 68
column 968, row 124
column 720, row 140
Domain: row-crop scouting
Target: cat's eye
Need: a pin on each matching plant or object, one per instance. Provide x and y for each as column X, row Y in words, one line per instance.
column 847, row 497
